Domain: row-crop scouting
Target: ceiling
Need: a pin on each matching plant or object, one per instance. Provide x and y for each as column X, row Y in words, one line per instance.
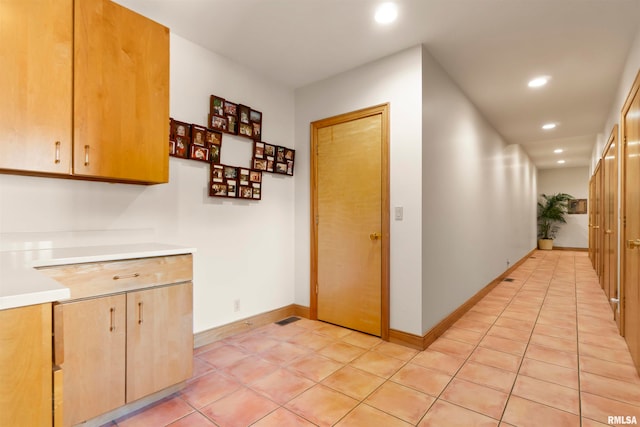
column 491, row 49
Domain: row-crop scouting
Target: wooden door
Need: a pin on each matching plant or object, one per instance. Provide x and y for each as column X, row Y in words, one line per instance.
column 592, row 216
column 35, row 83
column 610, row 222
column 597, row 226
column 630, row 244
column 350, row 230
column 121, row 94
column 94, row 356
column 25, row 366
column 159, row 339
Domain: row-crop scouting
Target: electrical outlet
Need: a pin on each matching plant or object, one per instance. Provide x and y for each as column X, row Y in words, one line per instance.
column 236, row 305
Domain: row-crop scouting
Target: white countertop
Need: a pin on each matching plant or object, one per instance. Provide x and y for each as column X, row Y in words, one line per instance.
column 21, row 284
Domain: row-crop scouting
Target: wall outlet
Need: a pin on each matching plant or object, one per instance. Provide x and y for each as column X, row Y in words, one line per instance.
column 236, row 305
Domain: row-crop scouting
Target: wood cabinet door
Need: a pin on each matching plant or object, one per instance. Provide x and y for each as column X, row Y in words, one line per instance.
column 35, row 83
column 94, row 356
column 25, row 366
column 121, row 94
column 159, row 338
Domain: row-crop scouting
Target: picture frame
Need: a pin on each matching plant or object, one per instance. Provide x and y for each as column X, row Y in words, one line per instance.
column 255, row 176
column 232, row 124
column 256, row 130
column 245, row 192
column 217, row 173
column 198, row 152
column 245, row 129
column 281, row 168
column 215, row 153
column 255, row 116
column 256, row 191
column 178, row 128
column 259, row 164
column 216, row 105
column 217, row 189
column 280, row 154
column 244, row 114
column 290, row 167
column 577, row 206
column 198, row 135
column 230, row 172
column 172, row 148
column 269, row 150
column 232, row 188
column 182, row 147
column 230, row 108
column 258, row 149
column 270, row 163
column 213, row 137
column 218, row 123
column 244, row 176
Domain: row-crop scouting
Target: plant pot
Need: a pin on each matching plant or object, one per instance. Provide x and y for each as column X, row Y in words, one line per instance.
column 545, row 244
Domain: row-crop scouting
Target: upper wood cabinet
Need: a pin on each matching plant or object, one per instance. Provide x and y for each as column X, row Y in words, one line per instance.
column 121, row 94
column 117, row 95
column 36, row 82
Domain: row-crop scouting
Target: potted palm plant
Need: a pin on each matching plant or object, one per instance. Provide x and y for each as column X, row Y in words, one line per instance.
column 551, row 211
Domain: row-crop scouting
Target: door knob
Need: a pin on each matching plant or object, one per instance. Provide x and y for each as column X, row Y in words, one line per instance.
column 632, row 244
column 375, row 236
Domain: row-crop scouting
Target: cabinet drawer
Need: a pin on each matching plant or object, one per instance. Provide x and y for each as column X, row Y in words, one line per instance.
column 102, row 278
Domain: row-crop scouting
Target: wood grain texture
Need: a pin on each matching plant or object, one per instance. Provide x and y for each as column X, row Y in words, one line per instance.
column 97, row 278
column 25, row 366
column 94, row 360
column 36, row 85
column 349, row 211
column 159, row 339
column 121, row 94
column 630, row 259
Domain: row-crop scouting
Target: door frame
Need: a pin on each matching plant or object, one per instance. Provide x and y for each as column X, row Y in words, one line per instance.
column 623, row 169
column 609, row 241
column 383, row 110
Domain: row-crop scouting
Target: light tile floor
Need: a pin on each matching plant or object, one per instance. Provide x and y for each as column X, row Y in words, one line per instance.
column 541, row 350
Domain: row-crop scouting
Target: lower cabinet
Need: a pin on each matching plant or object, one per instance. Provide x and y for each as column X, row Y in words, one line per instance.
column 25, row 366
column 119, row 348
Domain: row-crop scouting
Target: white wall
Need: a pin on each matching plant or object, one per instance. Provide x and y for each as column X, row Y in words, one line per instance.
column 459, row 183
column 629, row 73
column 574, row 181
column 245, row 248
column 395, row 79
column 478, row 206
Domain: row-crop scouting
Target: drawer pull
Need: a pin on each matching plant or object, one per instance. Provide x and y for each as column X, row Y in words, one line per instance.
column 86, row 155
column 139, row 313
column 126, row 276
column 112, row 327
column 57, row 152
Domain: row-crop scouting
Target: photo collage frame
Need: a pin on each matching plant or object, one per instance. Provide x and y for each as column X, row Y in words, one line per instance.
column 234, row 118
column 204, row 143
column 273, row 158
column 194, row 142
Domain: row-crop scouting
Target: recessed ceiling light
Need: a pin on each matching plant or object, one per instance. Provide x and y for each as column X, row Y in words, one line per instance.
column 386, row 13
column 558, row 150
column 561, row 162
column 548, row 126
column 539, row 81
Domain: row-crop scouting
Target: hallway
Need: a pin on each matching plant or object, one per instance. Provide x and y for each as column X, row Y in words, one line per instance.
column 540, row 350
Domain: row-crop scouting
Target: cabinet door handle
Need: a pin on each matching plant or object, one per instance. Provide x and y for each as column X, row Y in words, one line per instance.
column 140, row 313
column 86, row 155
column 112, row 313
column 57, row 152
column 125, row 276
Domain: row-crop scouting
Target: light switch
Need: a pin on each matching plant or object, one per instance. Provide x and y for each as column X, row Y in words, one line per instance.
column 399, row 212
